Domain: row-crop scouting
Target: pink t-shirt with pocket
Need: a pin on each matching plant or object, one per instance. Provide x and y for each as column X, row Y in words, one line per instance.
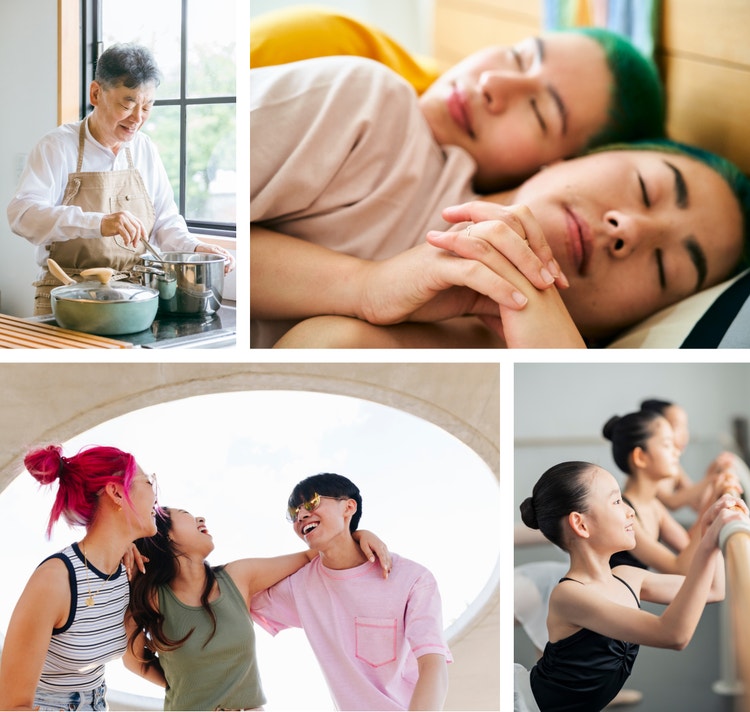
column 366, row 632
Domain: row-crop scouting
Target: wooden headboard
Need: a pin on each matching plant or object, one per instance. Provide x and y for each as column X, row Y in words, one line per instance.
column 703, row 53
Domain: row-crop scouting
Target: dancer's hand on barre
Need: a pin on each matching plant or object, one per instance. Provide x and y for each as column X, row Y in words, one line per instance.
column 727, row 482
column 721, row 463
column 725, row 509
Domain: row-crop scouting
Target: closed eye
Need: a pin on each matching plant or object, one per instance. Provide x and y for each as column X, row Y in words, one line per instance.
column 538, row 115
column 517, row 57
column 644, row 192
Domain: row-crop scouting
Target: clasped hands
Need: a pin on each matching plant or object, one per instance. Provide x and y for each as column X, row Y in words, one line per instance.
column 497, row 268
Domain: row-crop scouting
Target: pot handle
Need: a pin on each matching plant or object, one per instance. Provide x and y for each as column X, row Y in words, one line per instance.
column 59, row 272
column 103, row 274
column 143, row 269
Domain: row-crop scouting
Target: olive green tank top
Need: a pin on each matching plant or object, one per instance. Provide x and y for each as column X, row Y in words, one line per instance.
column 223, row 674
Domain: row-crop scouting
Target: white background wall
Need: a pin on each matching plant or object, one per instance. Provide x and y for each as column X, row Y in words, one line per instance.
column 560, row 410
column 28, row 55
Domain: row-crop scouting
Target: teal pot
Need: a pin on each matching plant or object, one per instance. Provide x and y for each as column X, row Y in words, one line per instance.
column 106, row 309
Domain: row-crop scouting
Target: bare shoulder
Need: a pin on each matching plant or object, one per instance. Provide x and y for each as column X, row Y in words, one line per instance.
column 47, row 592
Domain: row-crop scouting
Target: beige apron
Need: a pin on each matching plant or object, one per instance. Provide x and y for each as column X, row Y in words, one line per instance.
column 100, row 192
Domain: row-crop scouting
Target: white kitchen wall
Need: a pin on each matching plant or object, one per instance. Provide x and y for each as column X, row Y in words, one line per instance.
column 28, row 54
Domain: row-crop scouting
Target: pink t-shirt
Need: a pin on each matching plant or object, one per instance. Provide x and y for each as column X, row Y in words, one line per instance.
column 366, row 632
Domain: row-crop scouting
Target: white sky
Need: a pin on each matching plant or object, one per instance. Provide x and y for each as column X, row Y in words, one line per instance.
column 425, row 493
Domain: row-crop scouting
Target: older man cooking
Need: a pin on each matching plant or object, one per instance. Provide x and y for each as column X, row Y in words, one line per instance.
column 94, row 190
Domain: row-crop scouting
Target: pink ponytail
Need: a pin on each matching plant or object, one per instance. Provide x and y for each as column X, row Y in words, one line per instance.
column 81, row 478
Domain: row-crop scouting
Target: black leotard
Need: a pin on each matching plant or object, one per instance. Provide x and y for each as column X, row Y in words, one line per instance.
column 583, row 672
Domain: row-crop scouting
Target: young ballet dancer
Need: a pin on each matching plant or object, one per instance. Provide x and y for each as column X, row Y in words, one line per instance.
column 595, row 621
column 682, row 491
column 644, row 448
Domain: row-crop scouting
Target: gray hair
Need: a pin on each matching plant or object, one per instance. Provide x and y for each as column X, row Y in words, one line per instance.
column 129, row 64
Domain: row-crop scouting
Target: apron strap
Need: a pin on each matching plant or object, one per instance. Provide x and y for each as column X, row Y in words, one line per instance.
column 81, row 136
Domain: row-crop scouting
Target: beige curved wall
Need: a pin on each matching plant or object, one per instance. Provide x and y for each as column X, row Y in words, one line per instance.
column 54, row 402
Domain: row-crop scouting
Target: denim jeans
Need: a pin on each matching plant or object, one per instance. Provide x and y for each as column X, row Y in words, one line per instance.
column 88, row 700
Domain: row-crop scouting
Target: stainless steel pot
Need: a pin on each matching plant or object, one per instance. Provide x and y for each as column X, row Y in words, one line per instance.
column 187, row 282
column 102, row 307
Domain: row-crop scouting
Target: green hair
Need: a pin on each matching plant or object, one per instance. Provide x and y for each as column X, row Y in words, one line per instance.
column 637, row 108
column 738, row 182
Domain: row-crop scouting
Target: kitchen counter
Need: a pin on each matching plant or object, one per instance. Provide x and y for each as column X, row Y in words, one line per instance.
column 168, row 331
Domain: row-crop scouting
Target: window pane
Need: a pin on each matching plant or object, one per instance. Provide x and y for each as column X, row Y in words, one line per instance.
column 211, row 48
column 211, row 169
column 155, row 25
column 163, row 126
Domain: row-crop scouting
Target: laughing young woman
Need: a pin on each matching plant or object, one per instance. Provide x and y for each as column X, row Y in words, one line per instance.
column 69, row 620
column 189, row 624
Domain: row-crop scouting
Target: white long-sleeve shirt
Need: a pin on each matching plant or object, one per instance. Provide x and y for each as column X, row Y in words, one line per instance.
column 36, row 213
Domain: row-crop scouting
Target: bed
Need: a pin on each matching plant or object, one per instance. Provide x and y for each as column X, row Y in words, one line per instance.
column 704, row 56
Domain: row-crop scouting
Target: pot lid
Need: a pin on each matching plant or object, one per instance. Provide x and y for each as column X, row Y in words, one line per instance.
column 98, row 292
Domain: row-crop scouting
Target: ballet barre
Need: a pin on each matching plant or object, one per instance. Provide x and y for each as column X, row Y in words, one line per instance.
column 735, row 544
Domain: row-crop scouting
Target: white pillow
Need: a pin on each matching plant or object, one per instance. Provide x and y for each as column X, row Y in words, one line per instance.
column 718, row 317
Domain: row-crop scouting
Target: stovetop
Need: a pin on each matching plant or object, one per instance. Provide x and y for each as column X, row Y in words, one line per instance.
column 170, row 331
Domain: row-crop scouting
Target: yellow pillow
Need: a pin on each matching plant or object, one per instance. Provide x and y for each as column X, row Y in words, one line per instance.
column 303, row 32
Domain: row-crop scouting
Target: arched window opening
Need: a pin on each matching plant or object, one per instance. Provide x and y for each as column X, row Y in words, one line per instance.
column 234, row 458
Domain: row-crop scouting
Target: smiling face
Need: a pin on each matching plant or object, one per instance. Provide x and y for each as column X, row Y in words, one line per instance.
column 119, row 112
column 190, row 534
column 515, row 109
column 143, row 498
column 634, row 231
column 609, row 518
column 328, row 521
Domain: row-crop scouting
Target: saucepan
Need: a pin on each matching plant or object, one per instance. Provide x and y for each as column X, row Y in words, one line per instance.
column 187, row 282
column 98, row 306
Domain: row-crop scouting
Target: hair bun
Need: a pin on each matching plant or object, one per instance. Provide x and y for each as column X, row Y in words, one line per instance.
column 609, row 427
column 528, row 513
column 46, row 464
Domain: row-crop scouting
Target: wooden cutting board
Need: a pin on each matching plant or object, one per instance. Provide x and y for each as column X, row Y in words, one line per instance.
column 18, row 333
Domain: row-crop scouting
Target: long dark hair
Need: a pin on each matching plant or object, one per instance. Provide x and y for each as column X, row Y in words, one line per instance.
column 562, row 489
column 160, row 571
column 628, row 432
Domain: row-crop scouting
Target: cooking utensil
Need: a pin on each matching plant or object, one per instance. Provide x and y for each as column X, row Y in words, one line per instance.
column 154, row 252
column 188, row 282
column 101, row 307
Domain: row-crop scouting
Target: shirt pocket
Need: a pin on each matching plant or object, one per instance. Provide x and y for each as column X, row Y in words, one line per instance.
column 375, row 640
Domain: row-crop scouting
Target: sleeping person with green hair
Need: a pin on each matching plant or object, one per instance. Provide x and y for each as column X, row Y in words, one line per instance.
column 570, row 258
column 512, row 109
column 347, row 161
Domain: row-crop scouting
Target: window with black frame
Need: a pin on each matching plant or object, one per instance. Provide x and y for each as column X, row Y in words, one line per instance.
column 193, row 121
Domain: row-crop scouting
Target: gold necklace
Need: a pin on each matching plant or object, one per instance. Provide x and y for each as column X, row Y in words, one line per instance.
column 90, row 598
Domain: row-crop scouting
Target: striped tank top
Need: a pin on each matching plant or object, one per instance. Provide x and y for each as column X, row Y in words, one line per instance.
column 93, row 634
